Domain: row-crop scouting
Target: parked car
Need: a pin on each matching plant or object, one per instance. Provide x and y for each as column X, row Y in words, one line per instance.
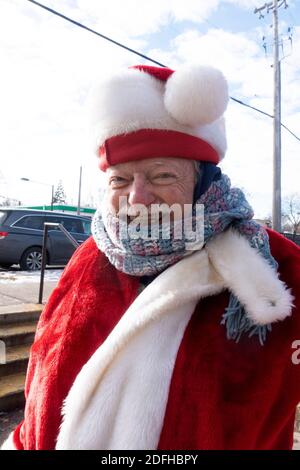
column 294, row 237
column 21, row 237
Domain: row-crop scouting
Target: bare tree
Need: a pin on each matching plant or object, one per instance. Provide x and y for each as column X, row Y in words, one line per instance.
column 291, row 213
column 8, row 202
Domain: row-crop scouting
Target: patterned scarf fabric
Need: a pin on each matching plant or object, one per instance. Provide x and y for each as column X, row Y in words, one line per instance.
column 224, row 207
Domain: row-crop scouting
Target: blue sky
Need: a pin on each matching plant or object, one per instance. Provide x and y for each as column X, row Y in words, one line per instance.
column 228, row 17
column 48, row 67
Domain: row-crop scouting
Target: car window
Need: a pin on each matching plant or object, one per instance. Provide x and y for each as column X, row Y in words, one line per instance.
column 2, row 216
column 55, row 220
column 87, row 227
column 35, row 222
column 73, row 225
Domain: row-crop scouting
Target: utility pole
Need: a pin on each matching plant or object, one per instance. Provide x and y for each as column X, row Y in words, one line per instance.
column 276, row 210
column 276, row 205
column 52, row 196
column 79, row 191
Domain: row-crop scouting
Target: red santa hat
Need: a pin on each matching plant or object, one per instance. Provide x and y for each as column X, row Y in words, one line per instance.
column 146, row 112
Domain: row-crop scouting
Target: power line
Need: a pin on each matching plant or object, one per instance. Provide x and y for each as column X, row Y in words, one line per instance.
column 292, row 17
column 80, row 25
column 252, row 107
column 266, row 114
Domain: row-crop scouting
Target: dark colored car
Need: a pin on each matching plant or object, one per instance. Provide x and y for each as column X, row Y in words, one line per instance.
column 21, row 237
column 294, row 237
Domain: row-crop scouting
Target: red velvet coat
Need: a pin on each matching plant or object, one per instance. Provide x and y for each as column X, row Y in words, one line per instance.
column 223, row 395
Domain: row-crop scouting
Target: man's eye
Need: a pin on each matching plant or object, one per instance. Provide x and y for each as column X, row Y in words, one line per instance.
column 117, row 181
column 164, row 177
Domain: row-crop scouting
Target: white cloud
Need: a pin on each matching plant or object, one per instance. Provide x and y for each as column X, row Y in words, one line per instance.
column 48, row 65
column 46, row 70
column 249, row 160
column 246, row 4
column 135, row 17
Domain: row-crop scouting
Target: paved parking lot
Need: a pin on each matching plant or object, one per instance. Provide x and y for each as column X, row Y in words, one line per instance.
column 18, row 286
column 8, row 422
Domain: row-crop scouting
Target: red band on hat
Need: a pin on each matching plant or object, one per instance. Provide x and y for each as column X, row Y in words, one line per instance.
column 161, row 73
column 153, row 143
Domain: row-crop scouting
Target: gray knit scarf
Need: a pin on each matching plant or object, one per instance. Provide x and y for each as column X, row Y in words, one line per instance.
column 224, row 207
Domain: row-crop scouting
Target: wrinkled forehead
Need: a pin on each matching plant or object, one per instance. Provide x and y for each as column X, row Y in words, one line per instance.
column 176, row 164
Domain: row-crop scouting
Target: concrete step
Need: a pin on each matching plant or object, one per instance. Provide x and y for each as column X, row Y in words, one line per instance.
column 16, row 360
column 19, row 313
column 12, row 391
column 15, row 334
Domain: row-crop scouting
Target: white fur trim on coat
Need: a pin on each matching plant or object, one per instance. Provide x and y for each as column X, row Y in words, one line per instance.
column 118, row 399
column 247, row 274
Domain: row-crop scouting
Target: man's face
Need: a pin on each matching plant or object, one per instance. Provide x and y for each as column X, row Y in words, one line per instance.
column 151, row 181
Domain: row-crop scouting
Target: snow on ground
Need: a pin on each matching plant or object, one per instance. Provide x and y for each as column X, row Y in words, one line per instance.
column 29, row 276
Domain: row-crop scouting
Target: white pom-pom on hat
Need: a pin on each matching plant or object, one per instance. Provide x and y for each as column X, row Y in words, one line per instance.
column 196, row 95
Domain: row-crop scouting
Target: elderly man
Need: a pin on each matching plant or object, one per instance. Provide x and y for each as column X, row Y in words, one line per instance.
column 150, row 341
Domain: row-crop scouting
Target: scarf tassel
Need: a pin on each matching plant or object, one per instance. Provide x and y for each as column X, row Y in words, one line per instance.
column 237, row 322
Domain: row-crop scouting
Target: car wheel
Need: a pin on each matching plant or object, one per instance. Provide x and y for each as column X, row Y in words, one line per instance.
column 31, row 259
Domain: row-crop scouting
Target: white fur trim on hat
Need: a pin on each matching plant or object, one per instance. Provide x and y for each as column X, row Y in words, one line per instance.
column 192, row 101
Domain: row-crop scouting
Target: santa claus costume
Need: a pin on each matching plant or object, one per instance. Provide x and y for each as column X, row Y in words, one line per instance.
column 202, row 356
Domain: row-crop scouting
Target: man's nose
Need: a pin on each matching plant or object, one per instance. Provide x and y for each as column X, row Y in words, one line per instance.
column 140, row 192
